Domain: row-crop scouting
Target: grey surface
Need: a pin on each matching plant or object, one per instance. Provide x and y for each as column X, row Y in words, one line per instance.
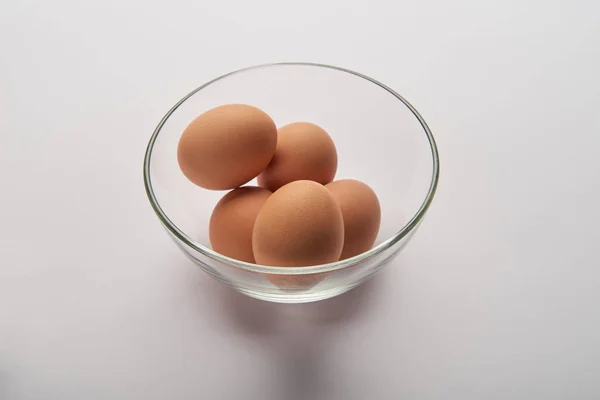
column 496, row 297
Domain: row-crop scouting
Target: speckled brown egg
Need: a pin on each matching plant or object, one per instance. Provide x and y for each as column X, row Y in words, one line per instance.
column 304, row 152
column 361, row 212
column 301, row 224
column 227, row 146
column 232, row 222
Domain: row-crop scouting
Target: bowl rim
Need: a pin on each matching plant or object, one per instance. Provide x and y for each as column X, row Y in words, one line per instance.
column 301, row 270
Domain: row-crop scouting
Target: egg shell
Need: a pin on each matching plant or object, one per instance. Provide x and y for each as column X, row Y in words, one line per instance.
column 362, row 215
column 227, row 146
column 304, row 152
column 232, row 222
column 301, row 224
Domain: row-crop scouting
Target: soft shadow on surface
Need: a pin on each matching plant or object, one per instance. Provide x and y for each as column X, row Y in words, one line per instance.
column 257, row 317
column 302, row 372
column 297, row 337
column 303, row 350
column 4, row 392
column 344, row 308
column 245, row 315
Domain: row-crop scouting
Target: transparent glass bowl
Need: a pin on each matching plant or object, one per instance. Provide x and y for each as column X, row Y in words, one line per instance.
column 380, row 139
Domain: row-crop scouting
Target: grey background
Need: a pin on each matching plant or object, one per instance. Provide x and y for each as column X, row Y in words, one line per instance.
column 495, row 298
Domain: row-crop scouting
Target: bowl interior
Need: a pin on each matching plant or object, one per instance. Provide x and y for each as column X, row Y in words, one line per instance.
column 378, row 138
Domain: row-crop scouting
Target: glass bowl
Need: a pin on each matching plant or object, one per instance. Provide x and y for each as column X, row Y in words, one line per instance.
column 380, row 139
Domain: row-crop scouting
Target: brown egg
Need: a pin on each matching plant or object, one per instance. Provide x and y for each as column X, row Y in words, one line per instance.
column 232, row 221
column 227, row 146
column 304, row 152
column 362, row 215
column 299, row 225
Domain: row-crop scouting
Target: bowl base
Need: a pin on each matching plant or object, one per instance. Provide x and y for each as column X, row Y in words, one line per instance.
column 295, row 297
